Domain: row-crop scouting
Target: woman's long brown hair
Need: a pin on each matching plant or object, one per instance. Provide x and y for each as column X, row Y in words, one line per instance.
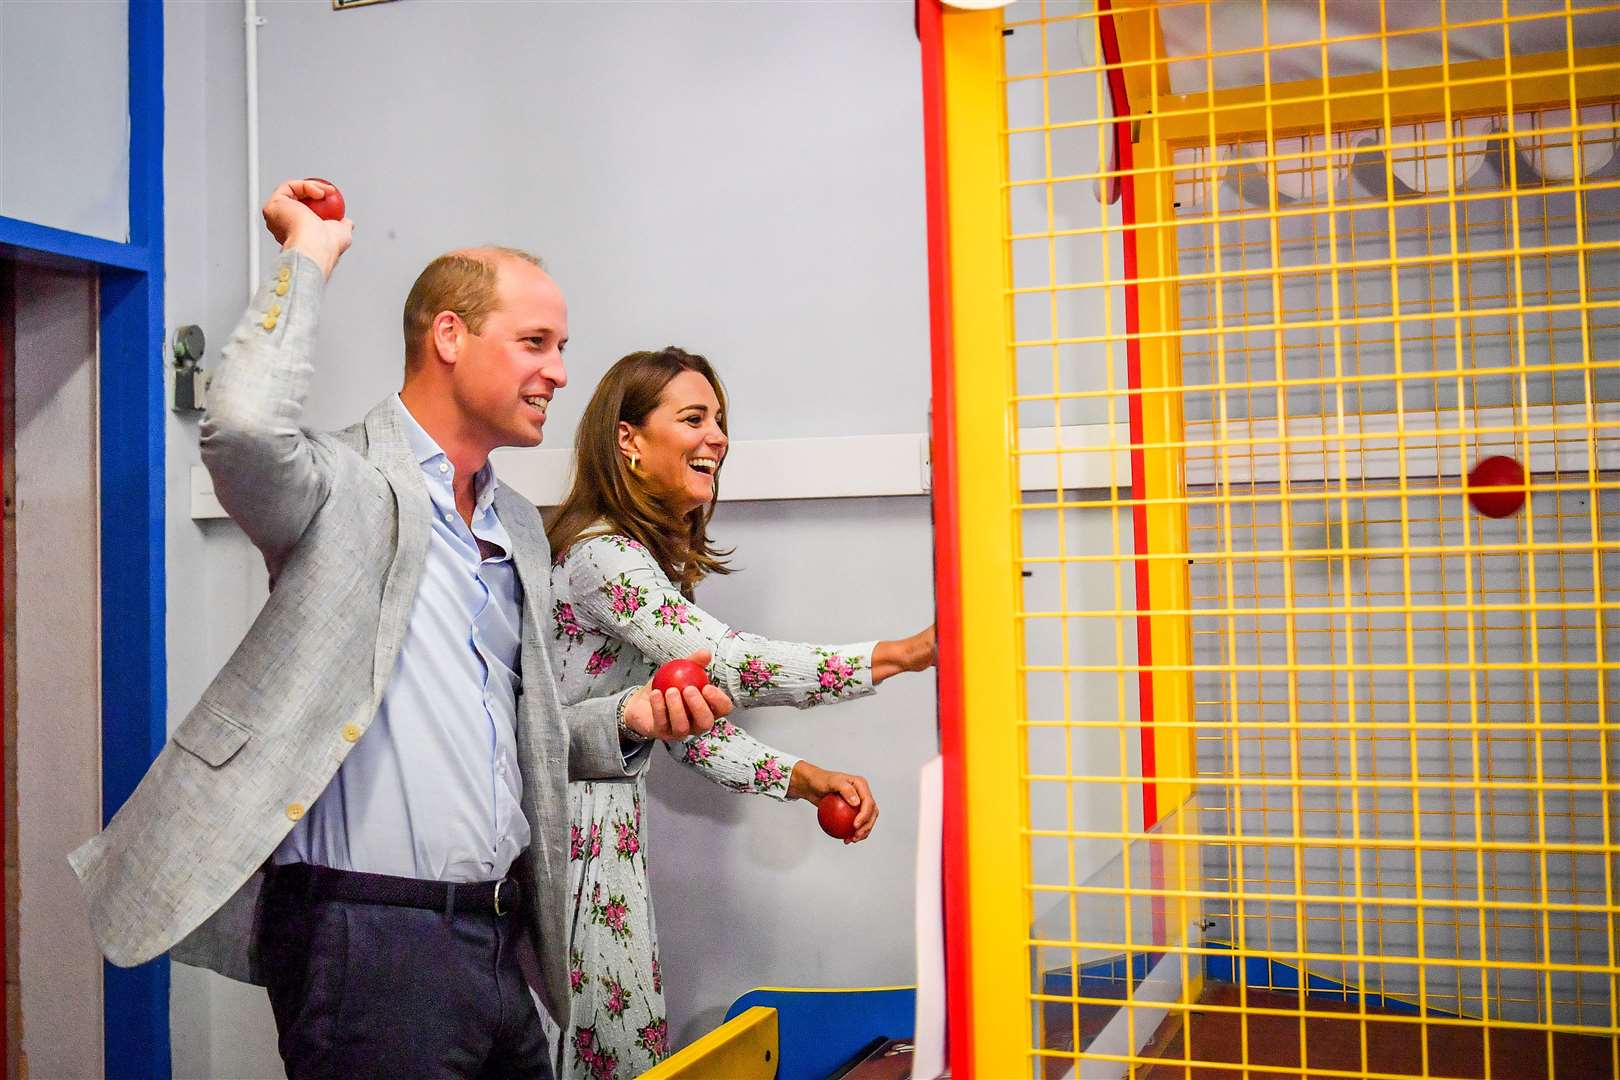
column 606, row 489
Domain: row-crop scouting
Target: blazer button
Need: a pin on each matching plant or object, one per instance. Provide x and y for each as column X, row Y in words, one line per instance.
column 269, row 322
column 275, row 310
column 351, row 732
column 281, row 287
column 295, row 811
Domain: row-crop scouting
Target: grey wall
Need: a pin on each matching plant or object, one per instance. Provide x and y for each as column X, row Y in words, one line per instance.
column 64, row 114
column 743, row 180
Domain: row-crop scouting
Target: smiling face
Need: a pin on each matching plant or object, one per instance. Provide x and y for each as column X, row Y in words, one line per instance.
column 680, row 445
column 506, row 373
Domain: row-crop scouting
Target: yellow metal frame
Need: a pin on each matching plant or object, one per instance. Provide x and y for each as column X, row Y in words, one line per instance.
column 743, row 1048
column 992, row 691
column 991, row 547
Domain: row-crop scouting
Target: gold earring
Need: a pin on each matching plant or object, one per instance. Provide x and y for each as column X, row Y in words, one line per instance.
column 634, row 461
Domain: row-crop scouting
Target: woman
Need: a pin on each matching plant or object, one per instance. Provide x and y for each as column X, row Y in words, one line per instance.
column 629, row 544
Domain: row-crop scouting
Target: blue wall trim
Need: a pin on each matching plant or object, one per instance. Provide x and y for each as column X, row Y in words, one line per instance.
column 26, row 239
column 134, row 720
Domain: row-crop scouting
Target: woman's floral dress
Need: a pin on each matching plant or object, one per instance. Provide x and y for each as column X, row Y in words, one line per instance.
column 616, row 617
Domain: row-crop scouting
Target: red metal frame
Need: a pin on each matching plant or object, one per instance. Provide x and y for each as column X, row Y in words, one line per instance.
column 947, row 558
column 947, row 561
column 1120, row 103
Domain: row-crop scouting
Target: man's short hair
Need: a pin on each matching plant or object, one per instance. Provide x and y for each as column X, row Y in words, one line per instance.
column 465, row 282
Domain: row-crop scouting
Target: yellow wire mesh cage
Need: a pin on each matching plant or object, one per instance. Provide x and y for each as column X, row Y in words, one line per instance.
column 1287, row 346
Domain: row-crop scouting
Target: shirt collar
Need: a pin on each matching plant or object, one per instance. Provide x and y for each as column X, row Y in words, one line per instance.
column 429, row 455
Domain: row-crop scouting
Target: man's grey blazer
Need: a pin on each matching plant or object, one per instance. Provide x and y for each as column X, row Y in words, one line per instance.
column 343, row 521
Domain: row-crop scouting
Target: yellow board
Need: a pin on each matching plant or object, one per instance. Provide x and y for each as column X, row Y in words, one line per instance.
column 743, row 1048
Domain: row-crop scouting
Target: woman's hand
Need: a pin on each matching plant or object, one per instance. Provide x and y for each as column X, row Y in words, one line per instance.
column 915, row 653
column 813, row 783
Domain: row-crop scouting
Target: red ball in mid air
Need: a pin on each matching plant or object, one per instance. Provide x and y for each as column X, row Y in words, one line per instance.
column 836, row 816
column 1502, row 473
column 678, row 675
column 328, row 207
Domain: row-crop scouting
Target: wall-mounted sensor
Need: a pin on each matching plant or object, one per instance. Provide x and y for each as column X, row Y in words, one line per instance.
column 190, row 380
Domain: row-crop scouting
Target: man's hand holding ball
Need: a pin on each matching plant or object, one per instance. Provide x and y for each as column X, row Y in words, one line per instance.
column 677, row 703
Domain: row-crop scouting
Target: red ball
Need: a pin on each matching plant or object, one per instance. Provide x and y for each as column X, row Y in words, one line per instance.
column 328, row 207
column 1500, row 473
column 678, row 675
column 836, row 816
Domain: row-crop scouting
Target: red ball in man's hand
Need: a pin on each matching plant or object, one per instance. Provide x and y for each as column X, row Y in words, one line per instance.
column 328, row 207
column 678, row 675
column 1496, row 472
column 836, row 816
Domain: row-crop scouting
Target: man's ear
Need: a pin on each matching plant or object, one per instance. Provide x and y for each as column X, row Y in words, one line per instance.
column 449, row 335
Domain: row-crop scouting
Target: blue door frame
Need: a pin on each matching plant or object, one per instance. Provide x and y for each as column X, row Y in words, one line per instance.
column 134, row 715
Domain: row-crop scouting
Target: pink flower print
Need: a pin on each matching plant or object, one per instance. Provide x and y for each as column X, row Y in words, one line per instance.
column 596, row 839
column 576, row 843
column 567, row 625
column 576, row 971
column 698, row 750
column 603, row 1064
column 723, row 729
column 605, row 1067
column 624, row 598
column 618, row 998
column 834, row 675
column 767, row 771
column 600, row 660
column 654, row 1038
column 658, row 978
column 614, row 915
column 628, row 843
column 675, row 614
column 756, row 674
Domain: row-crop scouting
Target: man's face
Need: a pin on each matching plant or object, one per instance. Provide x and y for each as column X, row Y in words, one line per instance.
column 508, row 371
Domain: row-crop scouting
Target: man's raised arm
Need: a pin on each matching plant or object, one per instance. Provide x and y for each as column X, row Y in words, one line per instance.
column 264, row 469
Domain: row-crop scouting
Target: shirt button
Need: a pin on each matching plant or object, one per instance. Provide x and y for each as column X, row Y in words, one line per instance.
column 444, row 466
column 295, row 811
column 448, row 518
column 351, row 732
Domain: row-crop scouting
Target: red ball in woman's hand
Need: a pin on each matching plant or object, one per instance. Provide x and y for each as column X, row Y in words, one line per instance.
column 678, row 675
column 1496, row 472
column 836, row 816
column 328, row 207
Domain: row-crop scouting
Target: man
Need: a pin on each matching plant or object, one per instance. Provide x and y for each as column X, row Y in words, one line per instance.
column 366, row 811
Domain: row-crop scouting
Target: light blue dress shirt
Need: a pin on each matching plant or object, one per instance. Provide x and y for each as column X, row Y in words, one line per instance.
column 432, row 790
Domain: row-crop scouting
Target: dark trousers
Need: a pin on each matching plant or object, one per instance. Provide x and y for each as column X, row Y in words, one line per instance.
column 376, row 990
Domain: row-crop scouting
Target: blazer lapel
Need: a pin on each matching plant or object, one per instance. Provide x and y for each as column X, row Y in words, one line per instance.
column 529, row 553
column 390, row 452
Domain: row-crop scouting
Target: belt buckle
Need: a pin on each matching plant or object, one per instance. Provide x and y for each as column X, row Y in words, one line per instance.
column 498, row 885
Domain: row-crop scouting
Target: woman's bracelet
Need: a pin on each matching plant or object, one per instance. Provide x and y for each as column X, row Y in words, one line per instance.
column 627, row 733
